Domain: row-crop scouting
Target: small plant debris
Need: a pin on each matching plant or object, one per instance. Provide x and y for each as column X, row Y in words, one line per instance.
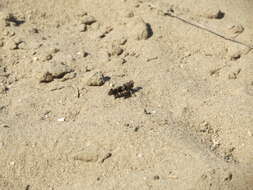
column 107, row 156
column 126, row 90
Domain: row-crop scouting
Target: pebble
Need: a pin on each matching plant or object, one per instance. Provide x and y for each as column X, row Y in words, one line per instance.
column 11, row 45
column 138, row 29
column 116, row 50
column 86, row 156
column 103, row 56
column 3, row 88
column 83, row 53
column 61, row 119
column 69, row 76
column 97, row 79
column 88, row 20
column 82, row 27
column 54, row 70
column 128, row 13
column 214, row 14
column 156, row 177
column 235, row 56
column 234, row 75
column 1, row 43
column 12, row 163
column 236, row 29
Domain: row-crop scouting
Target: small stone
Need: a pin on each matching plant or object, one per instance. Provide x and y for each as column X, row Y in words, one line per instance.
column 83, row 53
column 11, row 45
column 116, row 50
column 12, row 163
column 61, row 119
column 122, row 41
column 88, row 20
column 96, row 79
column 156, row 177
column 69, row 76
column 235, row 56
column 214, row 14
column 138, row 29
column 22, row 45
column 228, row 177
column 82, row 27
column 46, row 77
column 236, row 29
column 58, row 70
column 1, row 43
column 34, row 31
column 86, row 156
column 47, row 57
column 3, row 89
column 54, row 70
column 11, row 20
column 82, row 13
column 54, row 50
column 128, row 13
column 103, row 56
column 234, row 75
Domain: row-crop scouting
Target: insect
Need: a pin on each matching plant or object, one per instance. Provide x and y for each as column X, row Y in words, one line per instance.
column 126, row 90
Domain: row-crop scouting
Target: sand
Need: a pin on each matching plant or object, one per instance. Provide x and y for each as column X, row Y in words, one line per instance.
column 186, row 124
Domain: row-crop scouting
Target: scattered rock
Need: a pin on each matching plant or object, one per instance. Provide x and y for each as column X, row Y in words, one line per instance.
column 87, row 20
column 11, row 45
column 205, row 127
column 228, row 177
column 228, row 155
column 214, row 14
column 128, row 13
column 107, row 156
column 34, row 31
column 126, row 90
column 236, row 29
column 103, row 56
column 234, row 75
column 61, row 119
column 86, row 156
column 12, row 20
column 96, row 79
column 46, row 77
column 115, row 49
column 82, row 53
column 3, row 89
column 156, row 177
column 22, row 45
column 69, row 76
column 102, row 32
column 1, row 43
column 235, row 56
column 122, row 41
column 54, row 70
column 82, row 27
column 138, row 29
column 47, row 57
column 53, row 50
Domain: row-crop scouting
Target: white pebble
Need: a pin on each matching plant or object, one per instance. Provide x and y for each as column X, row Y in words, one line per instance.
column 61, row 119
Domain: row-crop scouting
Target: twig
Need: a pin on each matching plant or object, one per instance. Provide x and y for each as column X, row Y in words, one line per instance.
column 208, row 30
column 171, row 13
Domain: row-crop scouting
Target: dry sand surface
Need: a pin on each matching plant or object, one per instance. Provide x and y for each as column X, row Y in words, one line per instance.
column 186, row 124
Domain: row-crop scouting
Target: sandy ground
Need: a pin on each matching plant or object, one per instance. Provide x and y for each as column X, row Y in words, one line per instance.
column 187, row 126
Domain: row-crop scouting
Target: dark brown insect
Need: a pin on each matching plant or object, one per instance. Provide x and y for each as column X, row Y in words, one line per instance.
column 126, row 90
